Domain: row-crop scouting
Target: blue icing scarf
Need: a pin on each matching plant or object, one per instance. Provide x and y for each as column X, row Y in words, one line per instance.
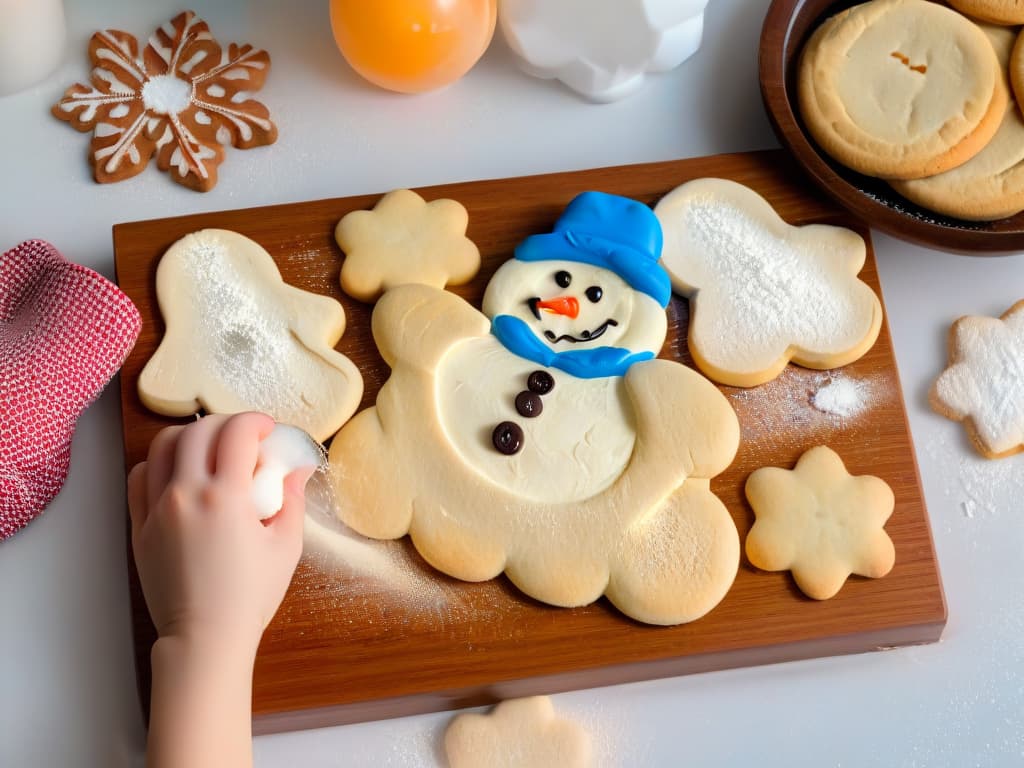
column 595, row 363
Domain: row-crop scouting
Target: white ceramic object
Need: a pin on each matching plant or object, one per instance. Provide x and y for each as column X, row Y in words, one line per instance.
column 32, row 37
column 283, row 451
column 602, row 49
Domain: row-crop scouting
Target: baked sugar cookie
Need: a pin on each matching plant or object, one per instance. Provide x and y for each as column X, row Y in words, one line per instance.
column 238, row 338
column 820, row 522
column 1017, row 69
column 763, row 292
column 405, row 239
column 519, row 733
column 900, row 89
column 994, row 11
column 991, row 184
column 984, row 384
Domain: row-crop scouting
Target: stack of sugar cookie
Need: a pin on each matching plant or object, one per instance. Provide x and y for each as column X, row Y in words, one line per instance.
column 917, row 93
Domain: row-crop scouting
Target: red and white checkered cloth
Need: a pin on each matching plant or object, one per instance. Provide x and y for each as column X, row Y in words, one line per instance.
column 64, row 332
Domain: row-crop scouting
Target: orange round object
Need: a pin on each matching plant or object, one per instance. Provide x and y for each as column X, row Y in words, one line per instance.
column 412, row 46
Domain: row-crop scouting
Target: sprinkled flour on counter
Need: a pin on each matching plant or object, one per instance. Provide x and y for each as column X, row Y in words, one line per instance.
column 840, row 397
column 802, row 404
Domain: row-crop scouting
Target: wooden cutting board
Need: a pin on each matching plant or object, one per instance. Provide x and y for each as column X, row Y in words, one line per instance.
column 346, row 648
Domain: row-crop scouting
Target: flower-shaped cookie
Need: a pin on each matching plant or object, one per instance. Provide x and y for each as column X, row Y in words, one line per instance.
column 984, row 383
column 602, row 48
column 820, row 522
column 520, row 733
column 181, row 99
column 239, row 338
column 763, row 292
column 405, row 239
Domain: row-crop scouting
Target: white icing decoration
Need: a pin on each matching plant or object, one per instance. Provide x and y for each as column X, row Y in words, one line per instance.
column 166, row 94
column 215, row 90
column 106, row 129
column 186, row 67
column 223, row 135
column 574, row 449
column 119, row 111
column 202, row 118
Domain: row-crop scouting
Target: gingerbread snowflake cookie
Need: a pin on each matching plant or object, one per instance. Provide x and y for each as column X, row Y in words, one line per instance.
column 763, row 292
column 181, row 99
column 984, row 383
column 238, row 338
column 519, row 733
column 540, row 437
column 405, row 239
column 820, row 522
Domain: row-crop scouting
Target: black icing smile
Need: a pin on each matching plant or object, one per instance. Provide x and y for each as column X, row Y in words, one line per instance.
column 584, row 336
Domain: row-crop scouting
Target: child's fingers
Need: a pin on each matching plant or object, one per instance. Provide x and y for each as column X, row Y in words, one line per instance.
column 238, row 445
column 160, row 464
column 287, row 523
column 137, row 507
column 195, row 453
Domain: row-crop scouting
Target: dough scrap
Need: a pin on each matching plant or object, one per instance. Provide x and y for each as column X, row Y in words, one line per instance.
column 405, row 239
column 820, row 522
column 983, row 386
column 238, row 338
column 763, row 292
column 519, row 733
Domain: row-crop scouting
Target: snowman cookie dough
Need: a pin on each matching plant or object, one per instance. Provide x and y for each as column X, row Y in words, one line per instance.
column 542, row 438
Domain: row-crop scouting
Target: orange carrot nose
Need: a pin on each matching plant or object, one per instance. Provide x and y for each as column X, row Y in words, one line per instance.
column 561, row 305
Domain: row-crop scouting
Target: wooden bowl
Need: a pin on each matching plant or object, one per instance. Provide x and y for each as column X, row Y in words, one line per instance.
column 787, row 26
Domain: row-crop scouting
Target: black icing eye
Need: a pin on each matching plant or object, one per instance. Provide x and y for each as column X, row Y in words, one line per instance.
column 563, row 278
column 594, row 293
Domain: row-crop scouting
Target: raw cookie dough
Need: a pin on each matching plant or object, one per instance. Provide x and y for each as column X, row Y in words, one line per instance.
column 763, row 292
column 238, row 338
column 519, row 733
column 541, row 438
column 984, row 384
column 405, row 239
column 820, row 522
column 900, row 89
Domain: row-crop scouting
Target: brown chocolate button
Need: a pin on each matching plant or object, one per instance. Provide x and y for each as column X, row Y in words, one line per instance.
column 507, row 437
column 540, row 382
column 529, row 404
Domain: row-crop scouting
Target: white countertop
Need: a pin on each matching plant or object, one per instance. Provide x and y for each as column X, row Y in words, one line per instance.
column 67, row 687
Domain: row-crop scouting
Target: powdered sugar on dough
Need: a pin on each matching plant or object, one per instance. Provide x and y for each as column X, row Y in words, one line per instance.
column 238, row 338
column 984, row 383
column 763, row 292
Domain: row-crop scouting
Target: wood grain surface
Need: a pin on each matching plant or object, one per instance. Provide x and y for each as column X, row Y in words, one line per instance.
column 343, row 648
column 787, row 26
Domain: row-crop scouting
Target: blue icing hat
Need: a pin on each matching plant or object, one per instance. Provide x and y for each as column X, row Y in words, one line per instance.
column 609, row 231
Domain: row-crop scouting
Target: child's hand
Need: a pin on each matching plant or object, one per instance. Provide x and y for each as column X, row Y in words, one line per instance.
column 211, row 571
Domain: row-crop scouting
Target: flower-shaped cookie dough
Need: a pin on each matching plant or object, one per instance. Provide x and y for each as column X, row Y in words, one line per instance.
column 602, row 48
column 763, row 292
column 521, row 733
column 405, row 239
column 181, row 99
column 238, row 338
column 984, row 383
column 820, row 522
